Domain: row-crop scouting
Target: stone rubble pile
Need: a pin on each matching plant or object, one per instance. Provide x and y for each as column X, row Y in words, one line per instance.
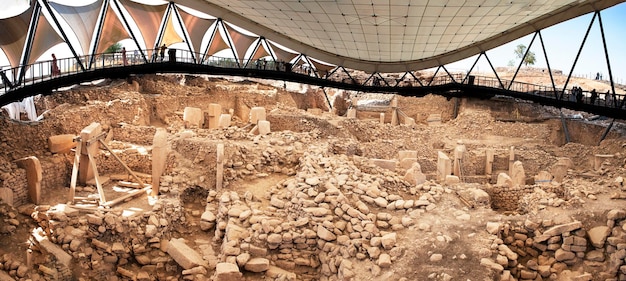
column 331, row 214
column 533, row 250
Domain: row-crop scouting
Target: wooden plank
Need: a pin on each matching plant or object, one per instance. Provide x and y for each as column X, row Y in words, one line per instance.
column 122, row 162
column 97, row 178
column 129, row 184
column 75, row 172
column 127, row 196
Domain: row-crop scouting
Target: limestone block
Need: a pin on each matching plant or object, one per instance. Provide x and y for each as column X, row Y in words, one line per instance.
column 543, row 178
column 219, row 174
column 325, row 234
column 414, row 175
column 215, row 111
column 315, row 111
column 61, row 143
column 504, row 180
column 409, row 121
column 264, row 127
column 184, row 255
column 33, row 176
column 6, row 195
column 351, row 113
column 227, row 272
column 450, row 180
column 382, row 118
column 394, row 117
column 257, row 265
column 193, row 117
column 598, row 159
column 444, row 166
column 407, row 163
column 489, row 161
column 384, row 260
column 562, row 255
column 159, row 157
column 85, row 171
column 598, row 235
column 277, row 272
column 385, row 164
column 54, row 250
column 559, row 169
column 459, row 152
column 560, row 229
column 517, row 174
column 257, row 114
column 224, row 121
column 402, row 154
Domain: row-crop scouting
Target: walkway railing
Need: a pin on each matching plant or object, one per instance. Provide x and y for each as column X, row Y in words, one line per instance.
column 19, row 77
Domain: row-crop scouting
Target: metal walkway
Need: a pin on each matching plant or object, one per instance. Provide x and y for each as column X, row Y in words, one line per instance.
column 37, row 79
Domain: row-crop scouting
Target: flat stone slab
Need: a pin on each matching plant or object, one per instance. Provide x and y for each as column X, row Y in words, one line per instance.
column 227, row 272
column 560, row 229
column 184, row 255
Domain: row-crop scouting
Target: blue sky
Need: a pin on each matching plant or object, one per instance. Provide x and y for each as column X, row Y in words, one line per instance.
column 562, row 42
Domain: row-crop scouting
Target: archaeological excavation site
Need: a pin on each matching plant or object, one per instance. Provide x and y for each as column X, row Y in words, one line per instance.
column 190, row 177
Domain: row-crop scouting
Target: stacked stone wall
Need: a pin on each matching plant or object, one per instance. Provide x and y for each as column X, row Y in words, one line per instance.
column 16, row 182
column 541, row 249
column 506, row 198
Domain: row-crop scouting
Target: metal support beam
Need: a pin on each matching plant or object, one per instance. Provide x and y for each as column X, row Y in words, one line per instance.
column 450, row 75
column 578, row 54
column 327, row 99
column 130, row 30
column 103, row 13
column 471, row 68
column 230, row 41
column 543, row 47
column 434, row 75
column 184, row 29
column 211, row 38
column 606, row 132
column 30, row 36
column 494, row 70
column 606, row 55
column 522, row 61
column 67, row 40
column 565, row 130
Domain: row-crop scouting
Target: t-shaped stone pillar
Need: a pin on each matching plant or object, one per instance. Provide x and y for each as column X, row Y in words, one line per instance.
column 87, row 136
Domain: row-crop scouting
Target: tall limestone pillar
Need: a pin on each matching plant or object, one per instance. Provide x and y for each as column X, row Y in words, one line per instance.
column 159, row 157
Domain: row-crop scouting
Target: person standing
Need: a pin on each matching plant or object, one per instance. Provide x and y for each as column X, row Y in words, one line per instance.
column 124, row 60
column 163, row 52
column 55, row 67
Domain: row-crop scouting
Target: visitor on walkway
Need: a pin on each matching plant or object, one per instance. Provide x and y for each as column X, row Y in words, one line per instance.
column 594, row 96
column 124, row 60
column 163, row 52
column 54, row 71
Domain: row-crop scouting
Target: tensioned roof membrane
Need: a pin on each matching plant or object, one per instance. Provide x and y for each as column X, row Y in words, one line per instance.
column 394, row 36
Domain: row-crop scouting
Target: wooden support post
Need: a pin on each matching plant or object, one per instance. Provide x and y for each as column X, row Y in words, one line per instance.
column 122, row 162
column 97, row 178
column 74, row 177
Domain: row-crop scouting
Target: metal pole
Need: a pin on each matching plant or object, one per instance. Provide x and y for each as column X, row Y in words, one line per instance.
column 184, row 29
column 494, row 70
column 103, row 13
column 230, row 42
column 34, row 20
column 472, row 68
column 543, row 47
column 211, row 38
column 450, row 75
column 56, row 21
column 131, row 31
column 327, row 99
column 522, row 61
column 606, row 55
column 578, row 54
column 434, row 75
column 606, row 132
column 565, row 130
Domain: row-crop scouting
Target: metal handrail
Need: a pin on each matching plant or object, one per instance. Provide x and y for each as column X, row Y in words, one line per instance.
column 42, row 71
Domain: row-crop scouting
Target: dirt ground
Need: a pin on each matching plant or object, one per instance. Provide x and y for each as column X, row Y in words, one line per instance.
column 271, row 176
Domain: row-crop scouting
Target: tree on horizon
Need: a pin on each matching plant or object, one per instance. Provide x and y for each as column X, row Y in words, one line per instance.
column 529, row 59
